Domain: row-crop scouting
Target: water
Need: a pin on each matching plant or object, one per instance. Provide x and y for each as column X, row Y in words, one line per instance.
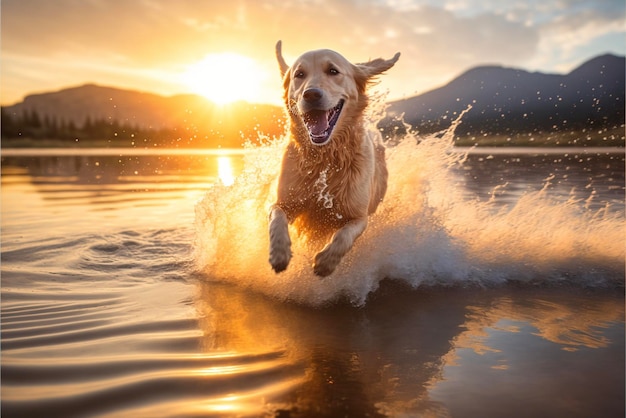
column 487, row 284
column 446, row 219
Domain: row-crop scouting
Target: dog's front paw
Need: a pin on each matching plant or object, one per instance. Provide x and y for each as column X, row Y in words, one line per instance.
column 280, row 243
column 326, row 261
column 280, row 257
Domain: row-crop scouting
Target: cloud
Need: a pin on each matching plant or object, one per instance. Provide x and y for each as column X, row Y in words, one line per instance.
column 438, row 40
column 433, row 41
column 577, row 32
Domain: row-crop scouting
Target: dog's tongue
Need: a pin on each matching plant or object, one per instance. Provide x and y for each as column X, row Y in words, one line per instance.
column 316, row 121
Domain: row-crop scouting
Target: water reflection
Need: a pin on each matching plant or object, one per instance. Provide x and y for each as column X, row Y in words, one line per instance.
column 109, row 182
column 225, row 170
column 127, row 168
column 391, row 357
column 572, row 174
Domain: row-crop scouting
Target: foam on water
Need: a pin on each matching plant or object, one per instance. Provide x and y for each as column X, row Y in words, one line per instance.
column 424, row 233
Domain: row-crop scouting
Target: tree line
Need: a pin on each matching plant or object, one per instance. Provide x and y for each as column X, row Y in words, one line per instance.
column 35, row 127
column 30, row 124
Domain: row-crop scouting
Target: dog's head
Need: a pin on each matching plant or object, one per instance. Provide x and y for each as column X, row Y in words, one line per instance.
column 325, row 93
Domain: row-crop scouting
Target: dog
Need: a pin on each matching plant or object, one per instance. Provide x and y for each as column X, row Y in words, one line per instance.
column 333, row 172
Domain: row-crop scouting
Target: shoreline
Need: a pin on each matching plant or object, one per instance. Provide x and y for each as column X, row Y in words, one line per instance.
column 28, row 144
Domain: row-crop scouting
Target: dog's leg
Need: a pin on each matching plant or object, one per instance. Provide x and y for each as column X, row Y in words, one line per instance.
column 280, row 243
column 327, row 260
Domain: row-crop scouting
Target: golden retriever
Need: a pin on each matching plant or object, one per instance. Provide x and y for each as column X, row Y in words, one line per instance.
column 333, row 172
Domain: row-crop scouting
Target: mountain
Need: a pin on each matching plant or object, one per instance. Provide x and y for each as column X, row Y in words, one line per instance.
column 509, row 101
column 96, row 112
column 506, row 103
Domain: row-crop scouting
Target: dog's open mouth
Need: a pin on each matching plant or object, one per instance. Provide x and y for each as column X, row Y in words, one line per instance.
column 320, row 123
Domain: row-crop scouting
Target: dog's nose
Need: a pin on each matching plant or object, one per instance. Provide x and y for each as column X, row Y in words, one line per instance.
column 312, row 95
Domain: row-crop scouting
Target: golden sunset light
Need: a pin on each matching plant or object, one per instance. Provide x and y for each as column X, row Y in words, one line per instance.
column 312, row 208
column 225, row 170
column 225, row 78
column 225, row 50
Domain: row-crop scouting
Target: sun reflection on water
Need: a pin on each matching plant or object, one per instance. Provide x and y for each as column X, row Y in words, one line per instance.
column 225, row 170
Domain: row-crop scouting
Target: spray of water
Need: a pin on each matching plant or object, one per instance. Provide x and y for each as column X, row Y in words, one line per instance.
column 424, row 233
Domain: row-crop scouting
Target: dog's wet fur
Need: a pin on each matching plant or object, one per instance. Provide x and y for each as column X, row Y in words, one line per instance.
column 333, row 173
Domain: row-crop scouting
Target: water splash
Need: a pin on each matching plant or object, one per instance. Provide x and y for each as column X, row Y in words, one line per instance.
column 425, row 232
column 323, row 195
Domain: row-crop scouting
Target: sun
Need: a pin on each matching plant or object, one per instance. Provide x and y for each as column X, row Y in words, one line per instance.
column 225, row 78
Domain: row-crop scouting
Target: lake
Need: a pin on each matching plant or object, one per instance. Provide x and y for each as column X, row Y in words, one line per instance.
column 489, row 283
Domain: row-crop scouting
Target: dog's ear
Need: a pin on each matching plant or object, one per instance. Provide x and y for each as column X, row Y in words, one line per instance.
column 281, row 61
column 365, row 73
column 377, row 66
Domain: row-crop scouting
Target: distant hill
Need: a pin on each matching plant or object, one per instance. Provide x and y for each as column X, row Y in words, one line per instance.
column 77, row 104
column 508, row 101
column 92, row 112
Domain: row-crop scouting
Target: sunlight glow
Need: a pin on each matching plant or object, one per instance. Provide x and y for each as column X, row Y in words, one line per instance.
column 225, row 171
column 225, row 78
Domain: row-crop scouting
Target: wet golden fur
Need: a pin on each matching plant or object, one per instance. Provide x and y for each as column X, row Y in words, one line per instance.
column 330, row 188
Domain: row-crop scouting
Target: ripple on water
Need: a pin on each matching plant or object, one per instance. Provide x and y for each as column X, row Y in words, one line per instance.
column 123, row 351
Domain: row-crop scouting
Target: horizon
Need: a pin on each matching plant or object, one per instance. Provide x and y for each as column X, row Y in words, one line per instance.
column 226, row 51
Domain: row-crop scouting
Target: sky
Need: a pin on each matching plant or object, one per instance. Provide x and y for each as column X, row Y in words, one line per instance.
column 224, row 49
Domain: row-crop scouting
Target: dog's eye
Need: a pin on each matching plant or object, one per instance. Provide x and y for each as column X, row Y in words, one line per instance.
column 333, row 71
column 299, row 74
